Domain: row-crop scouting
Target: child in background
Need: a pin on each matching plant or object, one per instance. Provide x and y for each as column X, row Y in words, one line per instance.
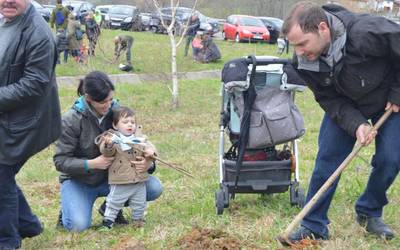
column 197, row 45
column 62, row 44
column 127, row 183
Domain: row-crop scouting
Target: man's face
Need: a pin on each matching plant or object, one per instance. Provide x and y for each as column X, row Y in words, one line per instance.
column 309, row 45
column 13, row 8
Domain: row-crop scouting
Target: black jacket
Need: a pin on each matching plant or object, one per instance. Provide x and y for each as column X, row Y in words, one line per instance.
column 193, row 27
column 29, row 106
column 370, row 71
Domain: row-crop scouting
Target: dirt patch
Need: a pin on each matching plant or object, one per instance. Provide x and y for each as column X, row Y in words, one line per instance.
column 129, row 243
column 208, row 239
column 306, row 244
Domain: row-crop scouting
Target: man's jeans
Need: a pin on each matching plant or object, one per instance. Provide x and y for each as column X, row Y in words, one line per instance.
column 77, row 201
column 334, row 146
column 189, row 40
column 16, row 218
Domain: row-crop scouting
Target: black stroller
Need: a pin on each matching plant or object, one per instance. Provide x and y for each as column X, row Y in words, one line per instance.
column 258, row 114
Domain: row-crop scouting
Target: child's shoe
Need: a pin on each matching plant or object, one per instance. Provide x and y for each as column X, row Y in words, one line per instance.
column 106, row 225
column 138, row 223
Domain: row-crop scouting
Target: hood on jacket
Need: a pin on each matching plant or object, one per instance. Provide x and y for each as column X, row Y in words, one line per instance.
column 82, row 106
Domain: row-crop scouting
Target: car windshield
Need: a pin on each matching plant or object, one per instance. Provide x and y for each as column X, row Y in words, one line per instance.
column 277, row 22
column 103, row 10
column 248, row 21
column 123, row 10
column 75, row 5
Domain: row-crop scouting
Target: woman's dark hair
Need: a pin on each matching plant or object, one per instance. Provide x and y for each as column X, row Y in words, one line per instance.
column 120, row 112
column 97, row 85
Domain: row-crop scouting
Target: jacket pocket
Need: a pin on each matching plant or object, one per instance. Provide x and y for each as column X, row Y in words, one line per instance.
column 16, row 72
column 23, row 118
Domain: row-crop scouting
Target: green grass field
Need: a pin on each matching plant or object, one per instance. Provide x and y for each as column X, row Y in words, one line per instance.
column 151, row 54
column 189, row 137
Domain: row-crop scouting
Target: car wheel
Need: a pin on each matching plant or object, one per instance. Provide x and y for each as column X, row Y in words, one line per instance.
column 237, row 38
column 153, row 29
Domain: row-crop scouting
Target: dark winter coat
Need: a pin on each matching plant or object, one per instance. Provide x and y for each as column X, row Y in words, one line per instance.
column 61, row 41
column 29, row 106
column 76, row 144
column 193, row 27
column 369, row 75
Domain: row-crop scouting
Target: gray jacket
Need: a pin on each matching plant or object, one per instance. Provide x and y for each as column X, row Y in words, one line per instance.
column 76, row 144
column 29, row 106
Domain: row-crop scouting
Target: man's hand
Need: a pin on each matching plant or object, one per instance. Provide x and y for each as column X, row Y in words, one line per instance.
column 142, row 164
column 394, row 107
column 101, row 162
column 363, row 134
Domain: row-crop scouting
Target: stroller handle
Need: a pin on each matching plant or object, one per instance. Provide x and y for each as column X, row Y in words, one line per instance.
column 266, row 61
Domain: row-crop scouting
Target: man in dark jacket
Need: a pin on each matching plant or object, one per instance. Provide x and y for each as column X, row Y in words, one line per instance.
column 351, row 62
column 29, row 110
column 194, row 26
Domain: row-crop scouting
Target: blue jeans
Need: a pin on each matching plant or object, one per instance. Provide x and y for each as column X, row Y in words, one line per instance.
column 77, row 201
column 334, row 146
column 16, row 218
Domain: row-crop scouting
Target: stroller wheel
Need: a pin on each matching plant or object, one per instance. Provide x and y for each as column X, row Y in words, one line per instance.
column 219, row 201
column 297, row 197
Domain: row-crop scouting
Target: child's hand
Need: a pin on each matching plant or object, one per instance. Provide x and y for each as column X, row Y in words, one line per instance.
column 108, row 140
column 148, row 153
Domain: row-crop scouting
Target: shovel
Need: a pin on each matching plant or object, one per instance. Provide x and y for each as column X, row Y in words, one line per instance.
column 284, row 237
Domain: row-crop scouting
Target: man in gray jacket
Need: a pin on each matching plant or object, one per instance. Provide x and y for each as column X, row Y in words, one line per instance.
column 29, row 110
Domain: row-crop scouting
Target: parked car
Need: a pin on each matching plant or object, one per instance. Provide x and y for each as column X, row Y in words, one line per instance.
column 145, row 20
column 274, row 26
column 45, row 13
column 103, row 9
column 241, row 28
column 182, row 16
column 124, row 17
column 79, row 9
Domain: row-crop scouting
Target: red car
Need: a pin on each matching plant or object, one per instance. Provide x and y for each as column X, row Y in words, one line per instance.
column 245, row 28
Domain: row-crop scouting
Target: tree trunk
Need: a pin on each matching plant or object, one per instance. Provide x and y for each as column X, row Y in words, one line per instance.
column 174, row 72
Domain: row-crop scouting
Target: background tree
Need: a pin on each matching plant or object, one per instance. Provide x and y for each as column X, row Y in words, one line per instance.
column 175, row 37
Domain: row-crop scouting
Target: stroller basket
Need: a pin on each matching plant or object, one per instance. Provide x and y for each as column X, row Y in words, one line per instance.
column 260, row 176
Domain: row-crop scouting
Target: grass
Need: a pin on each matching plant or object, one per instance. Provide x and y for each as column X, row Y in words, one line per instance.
column 151, row 54
column 189, row 137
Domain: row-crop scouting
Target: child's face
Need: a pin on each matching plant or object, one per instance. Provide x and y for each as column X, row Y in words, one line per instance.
column 126, row 125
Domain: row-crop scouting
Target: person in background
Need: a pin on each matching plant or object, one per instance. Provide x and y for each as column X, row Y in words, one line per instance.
column 62, row 45
column 123, row 43
column 351, row 64
column 74, row 45
column 209, row 52
column 83, row 169
column 30, row 116
column 92, row 30
column 59, row 17
column 197, row 45
column 98, row 18
column 193, row 27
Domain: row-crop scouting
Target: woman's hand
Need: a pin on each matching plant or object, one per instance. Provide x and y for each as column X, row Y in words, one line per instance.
column 101, row 162
column 142, row 164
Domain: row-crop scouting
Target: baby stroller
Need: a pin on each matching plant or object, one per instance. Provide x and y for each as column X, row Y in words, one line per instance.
column 258, row 114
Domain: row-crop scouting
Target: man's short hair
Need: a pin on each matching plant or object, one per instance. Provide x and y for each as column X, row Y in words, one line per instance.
column 307, row 15
column 59, row 1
